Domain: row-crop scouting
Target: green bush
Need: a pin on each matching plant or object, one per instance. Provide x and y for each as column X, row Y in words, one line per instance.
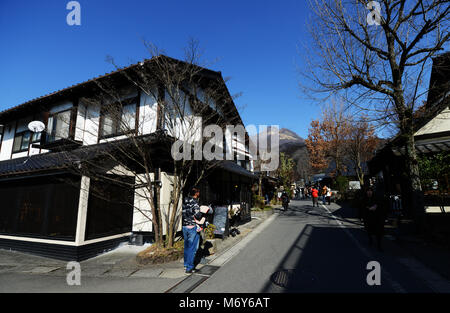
column 341, row 184
column 209, row 231
column 258, row 201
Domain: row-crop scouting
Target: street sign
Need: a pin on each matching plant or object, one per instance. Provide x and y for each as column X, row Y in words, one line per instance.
column 221, row 221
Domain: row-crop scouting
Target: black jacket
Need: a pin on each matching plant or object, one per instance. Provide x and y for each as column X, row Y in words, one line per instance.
column 191, row 210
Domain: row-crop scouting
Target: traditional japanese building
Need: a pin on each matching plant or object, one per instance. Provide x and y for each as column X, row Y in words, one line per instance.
column 432, row 135
column 51, row 205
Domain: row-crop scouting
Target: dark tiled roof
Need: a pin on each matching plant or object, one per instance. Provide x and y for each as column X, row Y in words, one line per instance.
column 39, row 162
column 234, row 168
column 86, row 83
column 68, row 159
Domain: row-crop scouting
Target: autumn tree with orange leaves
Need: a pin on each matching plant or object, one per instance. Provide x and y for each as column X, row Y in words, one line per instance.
column 340, row 139
column 316, row 148
column 327, row 139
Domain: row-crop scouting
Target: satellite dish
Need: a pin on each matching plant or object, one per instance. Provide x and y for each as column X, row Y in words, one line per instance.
column 36, row 126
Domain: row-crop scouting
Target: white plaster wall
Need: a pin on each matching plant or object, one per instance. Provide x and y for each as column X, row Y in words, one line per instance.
column 438, row 124
column 142, row 210
column 89, row 124
column 147, row 114
column 80, row 123
column 166, row 190
column 34, row 151
column 7, row 142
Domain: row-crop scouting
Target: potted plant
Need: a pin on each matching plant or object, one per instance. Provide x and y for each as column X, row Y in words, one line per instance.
column 210, row 240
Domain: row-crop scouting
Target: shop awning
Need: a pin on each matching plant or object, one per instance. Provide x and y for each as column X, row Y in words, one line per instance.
column 426, row 146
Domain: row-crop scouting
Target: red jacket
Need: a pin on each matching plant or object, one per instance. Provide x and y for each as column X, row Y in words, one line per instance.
column 315, row 193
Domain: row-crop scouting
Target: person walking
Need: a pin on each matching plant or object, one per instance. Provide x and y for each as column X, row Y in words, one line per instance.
column 285, row 200
column 324, row 193
column 201, row 226
column 374, row 216
column 315, row 196
column 328, row 195
column 191, row 213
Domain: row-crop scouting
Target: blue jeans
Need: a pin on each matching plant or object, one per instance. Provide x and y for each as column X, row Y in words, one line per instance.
column 191, row 243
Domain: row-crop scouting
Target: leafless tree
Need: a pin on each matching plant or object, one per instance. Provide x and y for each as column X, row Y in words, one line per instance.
column 376, row 54
column 188, row 97
column 361, row 146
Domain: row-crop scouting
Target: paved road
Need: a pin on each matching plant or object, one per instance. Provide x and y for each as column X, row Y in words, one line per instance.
column 302, row 250
column 310, row 249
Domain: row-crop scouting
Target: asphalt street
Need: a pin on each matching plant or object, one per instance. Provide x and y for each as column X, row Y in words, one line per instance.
column 302, row 250
column 320, row 249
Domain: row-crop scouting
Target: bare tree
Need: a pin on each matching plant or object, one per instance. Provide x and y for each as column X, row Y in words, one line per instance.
column 376, row 55
column 362, row 143
column 187, row 98
column 303, row 168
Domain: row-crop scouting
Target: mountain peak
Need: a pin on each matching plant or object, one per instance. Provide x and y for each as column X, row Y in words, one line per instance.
column 287, row 137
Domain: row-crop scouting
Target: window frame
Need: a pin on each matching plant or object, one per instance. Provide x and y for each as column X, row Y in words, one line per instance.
column 30, row 141
column 116, row 129
column 69, row 131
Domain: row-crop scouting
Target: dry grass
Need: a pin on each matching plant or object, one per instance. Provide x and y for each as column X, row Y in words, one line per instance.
column 156, row 254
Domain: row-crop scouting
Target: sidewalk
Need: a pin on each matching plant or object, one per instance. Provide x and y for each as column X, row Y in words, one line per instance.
column 109, row 268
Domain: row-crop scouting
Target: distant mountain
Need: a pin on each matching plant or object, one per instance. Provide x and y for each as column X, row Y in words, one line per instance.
column 289, row 141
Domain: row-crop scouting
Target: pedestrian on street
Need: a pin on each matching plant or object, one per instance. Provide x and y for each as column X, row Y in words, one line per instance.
column 315, row 196
column 285, row 200
column 191, row 213
column 374, row 216
column 328, row 195
column 324, row 193
column 201, row 226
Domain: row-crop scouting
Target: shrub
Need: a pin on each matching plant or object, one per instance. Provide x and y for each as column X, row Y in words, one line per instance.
column 156, row 254
column 209, row 231
column 258, row 201
column 341, row 184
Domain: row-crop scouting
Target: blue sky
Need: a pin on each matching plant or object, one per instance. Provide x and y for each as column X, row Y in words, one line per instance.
column 255, row 44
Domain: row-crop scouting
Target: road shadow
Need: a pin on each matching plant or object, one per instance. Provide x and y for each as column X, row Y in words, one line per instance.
column 325, row 258
column 345, row 214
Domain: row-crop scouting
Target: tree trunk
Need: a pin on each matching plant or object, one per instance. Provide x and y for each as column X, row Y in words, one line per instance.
column 412, row 167
column 159, row 231
column 172, row 227
column 155, row 221
column 260, row 186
